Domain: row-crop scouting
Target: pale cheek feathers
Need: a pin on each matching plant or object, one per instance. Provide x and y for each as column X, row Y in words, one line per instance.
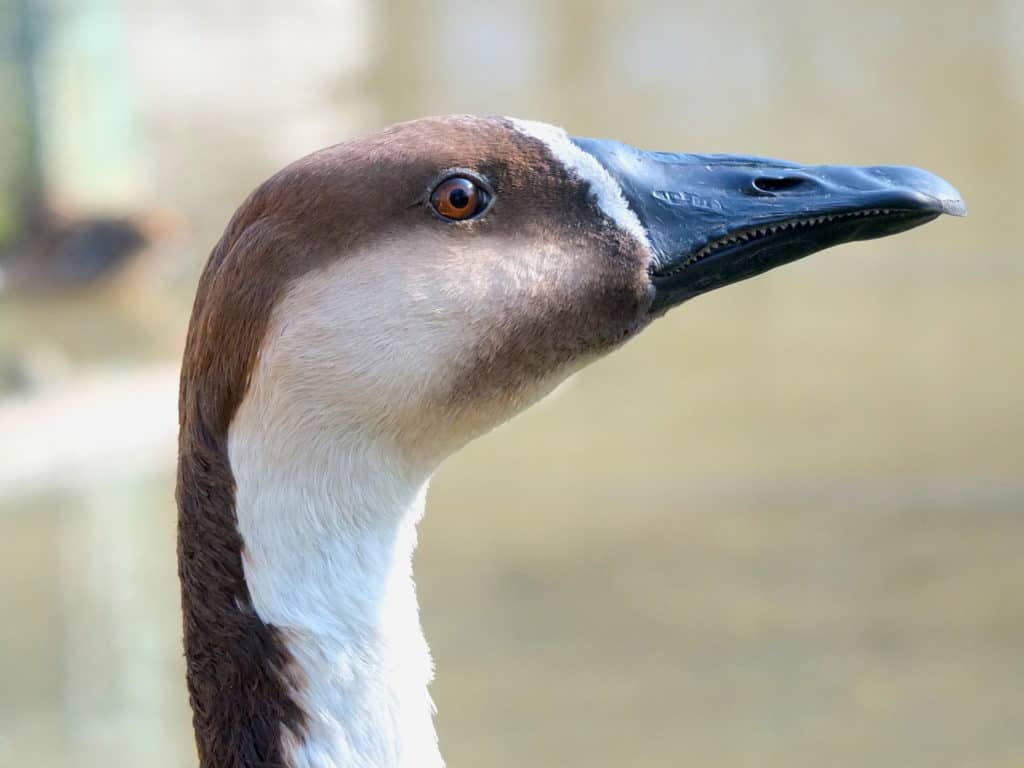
column 384, row 338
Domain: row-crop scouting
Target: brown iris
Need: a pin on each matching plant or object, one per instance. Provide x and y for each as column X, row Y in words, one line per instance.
column 459, row 198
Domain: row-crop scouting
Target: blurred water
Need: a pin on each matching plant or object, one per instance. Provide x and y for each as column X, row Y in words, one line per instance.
column 781, row 528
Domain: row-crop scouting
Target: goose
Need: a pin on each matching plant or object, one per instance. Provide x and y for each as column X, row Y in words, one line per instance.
column 375, row 306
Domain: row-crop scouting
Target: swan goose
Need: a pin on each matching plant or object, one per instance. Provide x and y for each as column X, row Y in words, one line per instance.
column 375, row 306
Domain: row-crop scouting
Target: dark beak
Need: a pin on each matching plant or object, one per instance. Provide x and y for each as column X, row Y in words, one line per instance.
column 713, row 220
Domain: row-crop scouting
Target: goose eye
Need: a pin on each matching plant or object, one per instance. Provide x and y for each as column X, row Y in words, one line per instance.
column 459, row 198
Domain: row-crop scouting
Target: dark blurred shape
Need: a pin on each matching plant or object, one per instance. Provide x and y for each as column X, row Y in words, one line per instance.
column 56, row 252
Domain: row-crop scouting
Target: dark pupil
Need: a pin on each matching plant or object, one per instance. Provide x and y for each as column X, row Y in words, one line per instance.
column 459, row 198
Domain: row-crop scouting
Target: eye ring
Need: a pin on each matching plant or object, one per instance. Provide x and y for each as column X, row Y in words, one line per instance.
column 459, row 197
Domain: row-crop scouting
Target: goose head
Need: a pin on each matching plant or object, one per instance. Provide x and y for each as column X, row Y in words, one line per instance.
column 373, row 307
column 425, row 284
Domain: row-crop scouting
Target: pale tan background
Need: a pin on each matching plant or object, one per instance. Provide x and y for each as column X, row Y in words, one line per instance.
column 783, row 528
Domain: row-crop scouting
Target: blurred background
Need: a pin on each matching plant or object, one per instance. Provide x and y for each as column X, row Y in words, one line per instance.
column 782, row 528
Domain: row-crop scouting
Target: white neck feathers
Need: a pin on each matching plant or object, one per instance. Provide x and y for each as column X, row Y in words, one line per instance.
column 328, row 522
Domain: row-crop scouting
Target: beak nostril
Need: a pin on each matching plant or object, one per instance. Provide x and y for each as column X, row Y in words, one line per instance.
column 769, row 184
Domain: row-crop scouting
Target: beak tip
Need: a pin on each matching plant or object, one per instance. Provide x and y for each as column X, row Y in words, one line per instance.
column 943, row 195
column 954, row 206
column 948, row 197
